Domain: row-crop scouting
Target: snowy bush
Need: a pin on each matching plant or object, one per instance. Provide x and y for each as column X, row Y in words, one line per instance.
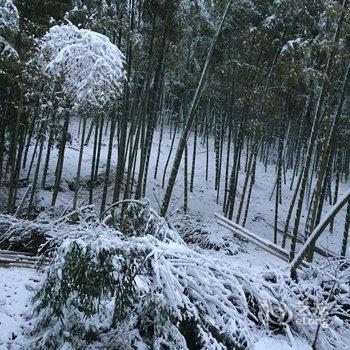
column 116, row 291
column 164, row 294
column 84, row 66
column 206, row 234
column 321, row 301
column 316, row 306
column 140, row 219
column 21, row 235
column 45, row 233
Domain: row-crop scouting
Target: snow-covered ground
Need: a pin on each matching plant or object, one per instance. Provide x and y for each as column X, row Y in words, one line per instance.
column 16, row 286
column 14, row 290
column 267, row 343
column 203, row 200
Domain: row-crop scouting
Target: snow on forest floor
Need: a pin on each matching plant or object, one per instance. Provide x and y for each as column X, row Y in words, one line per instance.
column 203, row 201
column 14, row 296
column 16, row 286
column 278, row 343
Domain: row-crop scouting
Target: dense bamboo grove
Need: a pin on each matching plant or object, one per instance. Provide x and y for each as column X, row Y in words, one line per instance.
column 250, row 81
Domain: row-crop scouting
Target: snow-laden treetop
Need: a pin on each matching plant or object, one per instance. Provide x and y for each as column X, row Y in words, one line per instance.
column 9, row 23
column 84, row 65
column 9, row 19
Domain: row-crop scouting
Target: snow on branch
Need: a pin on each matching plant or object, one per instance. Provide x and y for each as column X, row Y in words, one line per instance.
column 84, row 65
column 9, row 19
column 9, row 23
column 138, row 291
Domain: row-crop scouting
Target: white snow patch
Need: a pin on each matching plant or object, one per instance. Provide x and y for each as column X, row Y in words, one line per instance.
column 15, row 292
column 267, row 343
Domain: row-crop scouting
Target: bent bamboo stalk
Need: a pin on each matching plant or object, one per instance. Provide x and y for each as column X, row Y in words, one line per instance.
column 270, row 247
column 316, row 233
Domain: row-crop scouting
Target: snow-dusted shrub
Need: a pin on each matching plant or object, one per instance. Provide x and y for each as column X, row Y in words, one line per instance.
column 116, row 291
column 315, row 308
column 20, row 235
column 321, row 301
column 49, row 229
column 45, row 233
column 82, row 65
column 140, row 219
column 206, row 233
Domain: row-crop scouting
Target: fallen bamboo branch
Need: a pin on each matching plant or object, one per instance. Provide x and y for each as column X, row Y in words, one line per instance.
column 29, row 188
column 300, row 239
column 268, row 246
column 74, row 212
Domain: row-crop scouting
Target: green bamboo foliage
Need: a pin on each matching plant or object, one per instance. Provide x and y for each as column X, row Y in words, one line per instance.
column 313, row 135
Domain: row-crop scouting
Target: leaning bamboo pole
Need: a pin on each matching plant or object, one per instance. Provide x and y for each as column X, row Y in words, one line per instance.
column 268, row 246
column 316, row 233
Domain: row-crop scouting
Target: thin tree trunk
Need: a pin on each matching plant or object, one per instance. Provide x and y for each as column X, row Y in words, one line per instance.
column 47, row 159
column 252, row 181
column 2, row 149
column 93, row 163
column 18, row 163
column 109, row 158
column 12, row 157
column 159, row 146
column 194, row 154
column 100, row 138
column 60, row 160
column 186, row 180
column 278, row 181
column 36, row 175
column 190, row 118
column 29, row 139
column 32, row 159
column 169, row 155
column 250, row 155
column 80, row 159
column 132, row 161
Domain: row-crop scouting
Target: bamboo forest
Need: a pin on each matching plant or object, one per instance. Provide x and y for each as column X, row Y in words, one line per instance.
column 175, row 174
